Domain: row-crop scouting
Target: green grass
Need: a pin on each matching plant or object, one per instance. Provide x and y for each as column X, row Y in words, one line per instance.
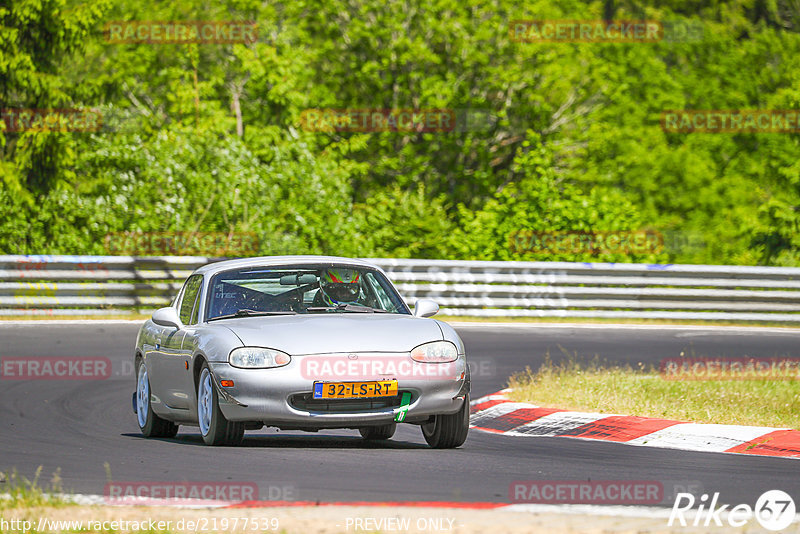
column 20, row 492
column 642, row 392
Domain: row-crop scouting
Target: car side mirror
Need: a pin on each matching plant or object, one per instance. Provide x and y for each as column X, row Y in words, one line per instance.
column 167, row 317
column 425, row 308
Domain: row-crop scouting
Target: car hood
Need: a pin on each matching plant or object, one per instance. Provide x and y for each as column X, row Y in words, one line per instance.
column 335, row 332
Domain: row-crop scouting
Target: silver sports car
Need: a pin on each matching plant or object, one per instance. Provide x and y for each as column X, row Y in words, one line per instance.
column 300, row 343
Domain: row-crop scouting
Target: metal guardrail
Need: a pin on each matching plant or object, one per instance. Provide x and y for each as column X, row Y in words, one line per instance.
column 91, row 285
column 108, row 285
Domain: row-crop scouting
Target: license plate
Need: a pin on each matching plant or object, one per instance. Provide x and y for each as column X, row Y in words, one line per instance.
column 355, row 390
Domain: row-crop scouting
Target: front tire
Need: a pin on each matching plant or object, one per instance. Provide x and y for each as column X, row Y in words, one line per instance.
column 378, row 432
column 448, row 431
column 215, row 429
column 151, row 425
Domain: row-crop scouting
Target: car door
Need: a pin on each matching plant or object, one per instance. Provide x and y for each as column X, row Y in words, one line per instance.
column 172, row 360
column 186, row 379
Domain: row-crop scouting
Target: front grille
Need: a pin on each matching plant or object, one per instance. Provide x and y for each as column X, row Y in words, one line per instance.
column 307, row 403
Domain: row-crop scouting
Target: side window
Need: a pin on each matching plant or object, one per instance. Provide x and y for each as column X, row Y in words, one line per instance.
column 196, row 309
column 191, row 293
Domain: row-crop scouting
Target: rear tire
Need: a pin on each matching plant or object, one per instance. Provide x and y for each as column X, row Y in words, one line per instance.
column 215, row 429
column 448, row 431
column 378, row 432
column 151, row 425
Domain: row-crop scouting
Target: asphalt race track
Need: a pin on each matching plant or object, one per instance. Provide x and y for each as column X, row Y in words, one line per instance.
column 78, row 426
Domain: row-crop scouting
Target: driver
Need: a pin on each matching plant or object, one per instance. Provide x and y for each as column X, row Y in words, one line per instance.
column 339, row 286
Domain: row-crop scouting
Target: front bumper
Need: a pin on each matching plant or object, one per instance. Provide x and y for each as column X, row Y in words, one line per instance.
column 283, row 396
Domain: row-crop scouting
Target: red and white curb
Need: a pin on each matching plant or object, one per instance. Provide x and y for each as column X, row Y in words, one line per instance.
column 645, row 512
column 497, row 413
column 648, row 512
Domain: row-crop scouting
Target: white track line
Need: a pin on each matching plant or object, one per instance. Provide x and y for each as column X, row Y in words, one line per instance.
column 733, row 330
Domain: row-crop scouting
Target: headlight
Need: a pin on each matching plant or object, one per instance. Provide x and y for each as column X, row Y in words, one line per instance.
column 436, row 352
column 258, row 358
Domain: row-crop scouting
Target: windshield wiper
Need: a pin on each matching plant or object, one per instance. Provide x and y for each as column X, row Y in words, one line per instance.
column 252, row 313
column 346, row 307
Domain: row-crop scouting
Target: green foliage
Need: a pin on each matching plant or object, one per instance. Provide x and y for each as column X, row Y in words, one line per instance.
column 564, row 137
column 403, row 224
column 180, row 180
column 36, row 36
column 542, row 202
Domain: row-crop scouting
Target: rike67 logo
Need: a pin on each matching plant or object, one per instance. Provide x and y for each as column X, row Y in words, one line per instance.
column 774, row 510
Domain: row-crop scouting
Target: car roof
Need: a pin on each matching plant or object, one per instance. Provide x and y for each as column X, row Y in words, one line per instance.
column 270, row 261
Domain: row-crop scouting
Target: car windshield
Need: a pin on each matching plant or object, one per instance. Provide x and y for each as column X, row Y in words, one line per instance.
column 304, row 289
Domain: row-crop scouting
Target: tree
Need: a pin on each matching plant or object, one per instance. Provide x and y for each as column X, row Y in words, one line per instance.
column 37, row 37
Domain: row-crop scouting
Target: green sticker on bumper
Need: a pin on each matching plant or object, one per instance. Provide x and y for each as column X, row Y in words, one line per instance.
column 400, row 416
